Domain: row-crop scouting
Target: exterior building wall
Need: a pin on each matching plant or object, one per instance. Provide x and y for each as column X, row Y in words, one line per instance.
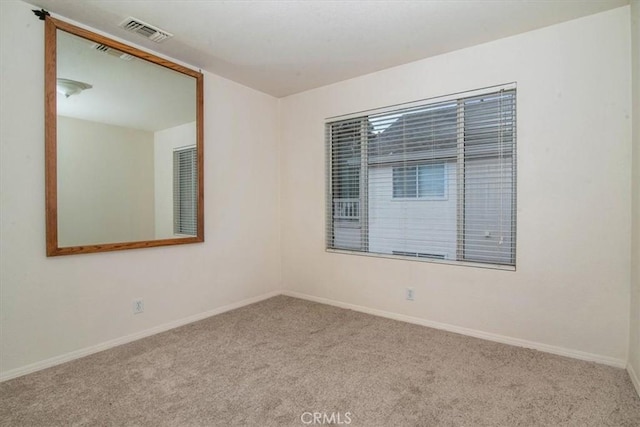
column 403, row 225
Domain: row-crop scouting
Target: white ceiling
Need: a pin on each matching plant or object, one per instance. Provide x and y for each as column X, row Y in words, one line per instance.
column 135, row 94
column 284, row 47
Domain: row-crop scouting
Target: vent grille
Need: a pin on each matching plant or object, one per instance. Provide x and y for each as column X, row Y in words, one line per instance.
column 147, row 31
column 111, row 51
column 418, row 254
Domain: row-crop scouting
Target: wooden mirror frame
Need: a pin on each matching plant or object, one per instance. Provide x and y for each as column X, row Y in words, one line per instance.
column 51, row 177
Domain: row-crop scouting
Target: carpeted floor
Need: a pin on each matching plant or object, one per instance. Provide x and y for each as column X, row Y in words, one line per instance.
column 277, row 362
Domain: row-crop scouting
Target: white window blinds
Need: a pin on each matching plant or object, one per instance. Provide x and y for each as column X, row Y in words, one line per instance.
column 185, row 191
column 433, row 181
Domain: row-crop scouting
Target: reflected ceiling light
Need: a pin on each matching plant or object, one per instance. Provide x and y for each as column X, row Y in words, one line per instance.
column 68, row 87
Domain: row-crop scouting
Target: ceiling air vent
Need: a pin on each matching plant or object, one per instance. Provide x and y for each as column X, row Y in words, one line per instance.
column 111, row 51
column 145, row 30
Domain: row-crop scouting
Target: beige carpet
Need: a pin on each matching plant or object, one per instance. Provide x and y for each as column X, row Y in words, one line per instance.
column 278, row 361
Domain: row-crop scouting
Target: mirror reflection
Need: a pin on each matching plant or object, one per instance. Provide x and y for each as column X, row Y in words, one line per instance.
column 126, row 152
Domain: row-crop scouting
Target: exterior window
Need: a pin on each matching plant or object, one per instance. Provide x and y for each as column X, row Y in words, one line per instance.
column 435, row 181
column 185, row 191
column 422, row 181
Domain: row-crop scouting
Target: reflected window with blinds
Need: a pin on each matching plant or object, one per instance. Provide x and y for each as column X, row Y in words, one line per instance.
column 436, row 178
column 185, row 191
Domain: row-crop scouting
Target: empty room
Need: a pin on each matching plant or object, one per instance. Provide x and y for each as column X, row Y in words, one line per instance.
column 290, row 213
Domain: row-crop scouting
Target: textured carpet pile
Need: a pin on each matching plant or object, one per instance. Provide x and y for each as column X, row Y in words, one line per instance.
column 286, row 361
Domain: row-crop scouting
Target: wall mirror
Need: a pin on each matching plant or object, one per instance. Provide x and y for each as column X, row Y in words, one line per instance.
column 124, row 145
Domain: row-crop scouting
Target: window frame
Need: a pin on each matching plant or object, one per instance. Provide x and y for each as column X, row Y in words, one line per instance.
column 460, row 98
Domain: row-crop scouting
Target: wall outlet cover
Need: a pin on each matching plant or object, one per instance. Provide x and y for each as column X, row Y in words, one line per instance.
column 138, row 306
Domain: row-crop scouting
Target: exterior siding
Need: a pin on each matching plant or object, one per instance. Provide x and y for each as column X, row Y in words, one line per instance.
column 387, row 216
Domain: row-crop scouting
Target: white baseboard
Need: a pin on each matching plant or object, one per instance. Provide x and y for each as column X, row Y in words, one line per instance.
column 634, row 378
column 57, row 360
column 576, row 354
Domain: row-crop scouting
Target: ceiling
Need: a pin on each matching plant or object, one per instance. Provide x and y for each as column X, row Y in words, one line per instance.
column 129, row 93
column 285, row 47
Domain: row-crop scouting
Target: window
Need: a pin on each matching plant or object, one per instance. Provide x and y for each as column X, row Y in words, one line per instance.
column 422, row 181
column 185, row 191
column 434, row 180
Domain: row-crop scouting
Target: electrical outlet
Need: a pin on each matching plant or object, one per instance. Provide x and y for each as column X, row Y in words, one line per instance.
column 138, row 306
column 410, row 294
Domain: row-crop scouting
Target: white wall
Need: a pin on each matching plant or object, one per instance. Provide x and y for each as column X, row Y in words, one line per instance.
column 105, row 178
column 634, row 338
column 52, row 306
column 165, row 142
column 571, row 287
